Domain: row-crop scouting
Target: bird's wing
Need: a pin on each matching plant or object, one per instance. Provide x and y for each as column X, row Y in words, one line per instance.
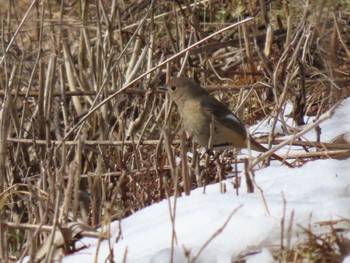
column 223, row 115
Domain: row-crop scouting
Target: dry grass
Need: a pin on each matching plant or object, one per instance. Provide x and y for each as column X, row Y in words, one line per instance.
column 86, row 137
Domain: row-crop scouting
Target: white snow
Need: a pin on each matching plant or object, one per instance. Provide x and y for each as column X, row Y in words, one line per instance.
column 263, row 256
column 317, row 191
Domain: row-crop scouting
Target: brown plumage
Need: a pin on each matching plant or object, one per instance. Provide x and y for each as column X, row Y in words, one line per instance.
column 198, row 110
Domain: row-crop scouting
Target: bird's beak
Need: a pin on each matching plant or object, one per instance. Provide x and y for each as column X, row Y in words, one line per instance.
column 162, row 89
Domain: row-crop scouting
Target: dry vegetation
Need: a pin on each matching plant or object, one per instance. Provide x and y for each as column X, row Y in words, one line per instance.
column 86, row 137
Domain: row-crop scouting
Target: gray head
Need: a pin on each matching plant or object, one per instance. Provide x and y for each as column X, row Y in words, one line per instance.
column 183, row 88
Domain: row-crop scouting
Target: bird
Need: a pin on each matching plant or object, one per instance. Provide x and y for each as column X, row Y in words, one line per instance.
column 209, row 121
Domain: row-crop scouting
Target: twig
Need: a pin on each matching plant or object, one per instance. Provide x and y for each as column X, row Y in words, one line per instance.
column 88, row 232
column 216, row 233
column 90, row 142
column 296, row 136
column 185, row 171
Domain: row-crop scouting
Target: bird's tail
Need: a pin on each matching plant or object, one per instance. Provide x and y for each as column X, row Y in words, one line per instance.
column 254, row 145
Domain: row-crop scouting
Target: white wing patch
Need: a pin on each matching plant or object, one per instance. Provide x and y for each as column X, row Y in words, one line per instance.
column 232, row 117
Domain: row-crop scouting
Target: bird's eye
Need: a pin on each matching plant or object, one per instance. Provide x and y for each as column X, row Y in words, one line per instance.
column 173, row 88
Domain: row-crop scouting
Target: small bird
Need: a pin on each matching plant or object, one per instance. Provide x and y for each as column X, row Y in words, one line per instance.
column 205, row 118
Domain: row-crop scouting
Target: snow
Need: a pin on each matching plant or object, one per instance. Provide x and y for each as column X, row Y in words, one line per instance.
column 317, row 191
column 264, row 256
